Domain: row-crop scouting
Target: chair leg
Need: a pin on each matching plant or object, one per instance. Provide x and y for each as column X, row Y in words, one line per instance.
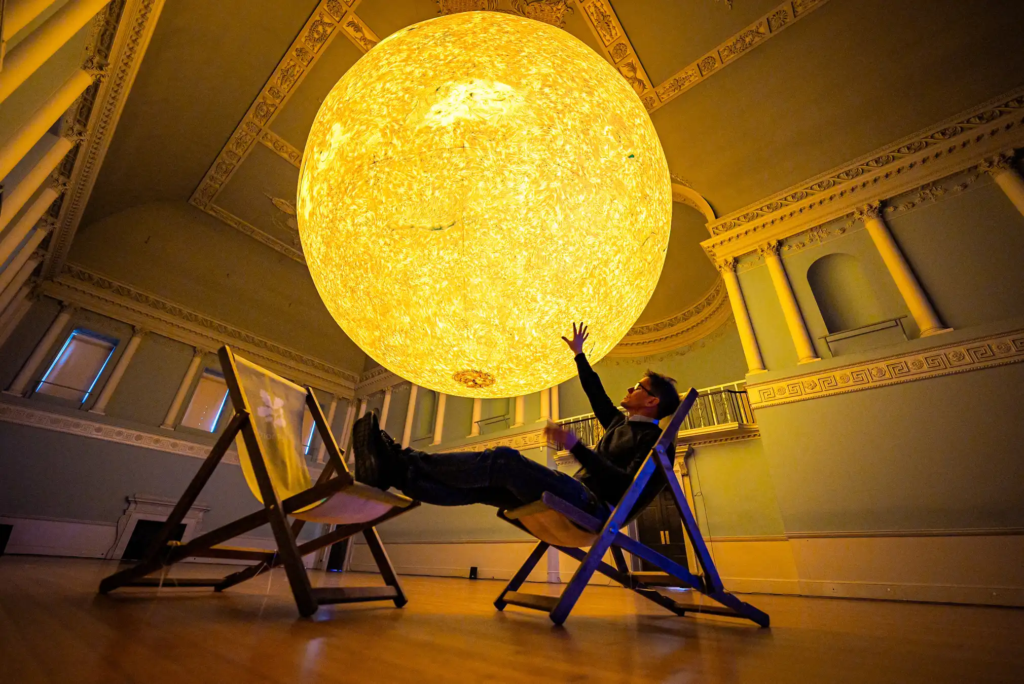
column 524, row 572
column 581, row 577
column 387, row 570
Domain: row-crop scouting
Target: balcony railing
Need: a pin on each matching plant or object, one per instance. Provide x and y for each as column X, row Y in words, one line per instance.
column 721, row 407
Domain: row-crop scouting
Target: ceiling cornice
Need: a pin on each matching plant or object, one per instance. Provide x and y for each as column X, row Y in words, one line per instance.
column 617, row 48
column 122, row 34
column 952, row 146
column 80, row 286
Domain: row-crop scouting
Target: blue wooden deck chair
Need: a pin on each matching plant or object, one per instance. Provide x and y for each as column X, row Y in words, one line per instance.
column 559, row 524
column 268, row 418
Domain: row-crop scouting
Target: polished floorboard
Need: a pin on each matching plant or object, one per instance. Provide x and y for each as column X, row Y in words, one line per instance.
column 54, row 628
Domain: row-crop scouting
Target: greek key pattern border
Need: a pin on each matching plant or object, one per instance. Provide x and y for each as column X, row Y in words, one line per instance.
column 757, row 33
column 962, row 357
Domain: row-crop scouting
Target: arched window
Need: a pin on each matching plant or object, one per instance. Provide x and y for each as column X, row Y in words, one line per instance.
column 844, row 295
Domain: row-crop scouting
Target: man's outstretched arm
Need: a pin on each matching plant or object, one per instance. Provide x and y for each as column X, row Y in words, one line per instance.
column 604, row 408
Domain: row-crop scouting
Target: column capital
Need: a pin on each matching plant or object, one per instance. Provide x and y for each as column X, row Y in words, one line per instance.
column 726, row 265
column 770, row 248
column 139, row 331
column 47, row 223
column 199, row 352
column 96, row 66
column 68, row 307
column 871, row 210
column 59, row 183
column 999, row 164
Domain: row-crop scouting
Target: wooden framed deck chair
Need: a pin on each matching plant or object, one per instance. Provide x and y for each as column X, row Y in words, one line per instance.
column 268, row 416
column 561, row 525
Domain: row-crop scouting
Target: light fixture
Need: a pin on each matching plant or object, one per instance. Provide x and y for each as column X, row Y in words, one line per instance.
column 470, row 187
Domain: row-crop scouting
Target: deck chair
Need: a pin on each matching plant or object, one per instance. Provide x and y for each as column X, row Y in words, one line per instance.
column 268, row 415
column 557, row 523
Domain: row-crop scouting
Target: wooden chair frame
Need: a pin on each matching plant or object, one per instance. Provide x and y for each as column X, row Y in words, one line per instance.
column 605, row 535
column 334, row 478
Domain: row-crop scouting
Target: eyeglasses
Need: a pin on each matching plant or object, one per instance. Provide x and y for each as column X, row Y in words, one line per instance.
column 638, row 386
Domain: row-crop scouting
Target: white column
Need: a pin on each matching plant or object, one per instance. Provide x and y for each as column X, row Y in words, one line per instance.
column 41, row 44
column 545, row 406
column 346, row 429
column 751, row 350
column 790, row 309
column 410, row 413
column 12, row 315
column 474, row 429
column 1008, row 178
column 555, row 414
column 27, row 372
column 906, row 282
column 17, row 196
column 322, row 451
column 364, row 404
column 16, row 235
column 439, row 419
column 107, row 392
column 20, row 14
column 520, row 417
column 18, row 145
column 179, row 396
column 17, row 274
column 385, row 409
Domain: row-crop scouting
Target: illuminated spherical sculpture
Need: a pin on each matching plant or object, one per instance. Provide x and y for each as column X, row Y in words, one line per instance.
column 469, row 188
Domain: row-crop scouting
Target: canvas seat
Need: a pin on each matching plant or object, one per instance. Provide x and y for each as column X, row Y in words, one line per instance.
column 268, row 425
column 558, row 524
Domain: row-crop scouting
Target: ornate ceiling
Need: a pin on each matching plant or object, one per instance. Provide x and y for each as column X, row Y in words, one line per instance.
column 749, row 98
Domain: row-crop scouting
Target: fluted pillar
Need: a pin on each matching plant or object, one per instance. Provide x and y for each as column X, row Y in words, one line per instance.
column 19, row 271
column 41, row 44
column 20, row 13
column 18, row 145
column 520, row 412
column 921, row 309
column 748, row 340
column 474, row 428
column 186, row 383
column 439, row 419
column 17, row 196
column 385, row 409
column 100, row 407
column 15, row 311
column 790, row 309
column 322, row 451
column 1007, row 178
column 410, row 413
column 28, row 371
column 545, row 406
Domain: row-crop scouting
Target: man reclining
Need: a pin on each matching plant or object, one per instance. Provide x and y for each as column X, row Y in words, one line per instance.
column 505, row 478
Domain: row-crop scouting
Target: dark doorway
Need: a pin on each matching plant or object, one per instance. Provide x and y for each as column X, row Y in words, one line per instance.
column 143, row 535
column 5, row 536
column 336, row 558
column 661, row 528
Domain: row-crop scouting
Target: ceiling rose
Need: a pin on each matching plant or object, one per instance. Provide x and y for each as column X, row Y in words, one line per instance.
column 470, row 187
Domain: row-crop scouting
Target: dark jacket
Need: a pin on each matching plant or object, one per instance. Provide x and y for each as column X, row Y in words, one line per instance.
column 609, row 468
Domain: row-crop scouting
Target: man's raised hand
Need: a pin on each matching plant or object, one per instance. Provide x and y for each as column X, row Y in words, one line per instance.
column 579, row 336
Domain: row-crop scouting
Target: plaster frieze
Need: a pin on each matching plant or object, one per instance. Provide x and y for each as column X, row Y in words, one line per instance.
column 615, row 44
column 961, row 357
column 281, row 148
column 531, row 439
column 768, row 26
column 376, row 380
column 86, row 289
column 121, row 36
column 951, row 147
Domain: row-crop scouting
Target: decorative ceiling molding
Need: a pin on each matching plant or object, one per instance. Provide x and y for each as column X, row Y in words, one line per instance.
column 376, row 380
column 686, row 327
column 615, row 45
column 95, row 292
column 953, row 146
column 961, row 357
column 281, row 147
column 757, row 33
column 549, row 11
column 684, row 194
column 121, row 36
column 312, row 41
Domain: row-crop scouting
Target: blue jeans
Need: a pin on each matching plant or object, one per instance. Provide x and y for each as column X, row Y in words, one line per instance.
column 500, row 477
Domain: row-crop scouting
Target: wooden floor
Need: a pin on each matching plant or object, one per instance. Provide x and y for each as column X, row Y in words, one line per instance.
column 54, row 628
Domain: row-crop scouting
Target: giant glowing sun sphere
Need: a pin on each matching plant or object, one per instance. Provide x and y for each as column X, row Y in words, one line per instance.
column 470, row 187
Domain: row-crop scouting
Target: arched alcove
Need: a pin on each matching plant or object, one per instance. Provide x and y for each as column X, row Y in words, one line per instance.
column 844, row 294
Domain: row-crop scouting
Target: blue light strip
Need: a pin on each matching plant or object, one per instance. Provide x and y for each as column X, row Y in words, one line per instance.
column 223, row 403
column 309, row 439
column 88, row 392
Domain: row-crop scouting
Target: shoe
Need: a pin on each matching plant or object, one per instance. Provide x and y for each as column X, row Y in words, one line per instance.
column 369, row 449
